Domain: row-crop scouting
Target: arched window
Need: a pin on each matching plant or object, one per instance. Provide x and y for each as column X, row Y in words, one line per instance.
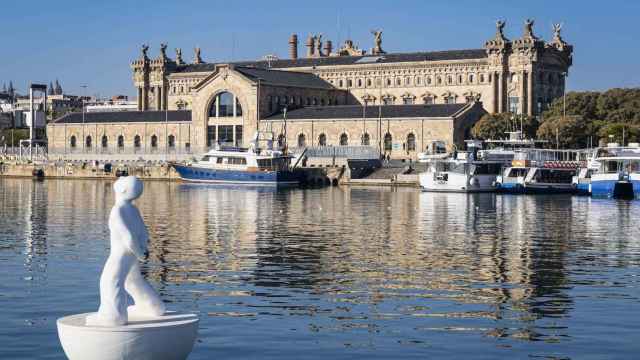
column 439, row 80
column 281, row 140
column 398, row 81
column 302, row 141
column 388, row 142
column 349, row 83
column 136, row 141
column 481, row 78
column 154, row 141
column 322, row 140
column 72, row 141
column 449, row 79
column 428, row 80
column 411, row 142
column 344, row 140
column 340, row 83
column 105, row 141
column 418, row 80
column 471, row 78
column 121, row 141
column 171, row 140
column 368, row 82
column 388, row 82
column 359, row 82
column 223, row 105
column 87, row 142
column 407, row 80
column 366, row 140
column 459, row 79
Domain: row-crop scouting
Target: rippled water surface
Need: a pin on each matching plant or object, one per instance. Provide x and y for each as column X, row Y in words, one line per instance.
column 336, row 273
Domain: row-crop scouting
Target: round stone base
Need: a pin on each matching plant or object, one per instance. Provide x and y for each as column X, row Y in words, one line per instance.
column 167, row 337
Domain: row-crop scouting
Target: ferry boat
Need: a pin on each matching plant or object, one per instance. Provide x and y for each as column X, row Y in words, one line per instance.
column 619, row 173
column 473, row 170
column 538, row 171
column 247, row 166
column 582, row 180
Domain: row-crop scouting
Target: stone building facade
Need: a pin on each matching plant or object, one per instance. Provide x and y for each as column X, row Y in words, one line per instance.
column 230, row 101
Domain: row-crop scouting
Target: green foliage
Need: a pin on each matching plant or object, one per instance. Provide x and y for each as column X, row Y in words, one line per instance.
column 565, row 132
column 18, row 134
column 495, row 126
column 617, row 132
column 601, row 114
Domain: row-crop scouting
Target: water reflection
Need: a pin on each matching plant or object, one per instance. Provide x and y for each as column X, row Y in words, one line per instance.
column 375, row 270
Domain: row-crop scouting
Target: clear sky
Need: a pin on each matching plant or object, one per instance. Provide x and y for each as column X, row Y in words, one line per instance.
column 93, row 42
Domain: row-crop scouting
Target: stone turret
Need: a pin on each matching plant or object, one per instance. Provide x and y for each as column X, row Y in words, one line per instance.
column 293, row 46
column 150, row 78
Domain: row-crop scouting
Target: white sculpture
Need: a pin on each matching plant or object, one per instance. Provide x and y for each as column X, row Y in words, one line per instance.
column 142, row 331
column 121, row 273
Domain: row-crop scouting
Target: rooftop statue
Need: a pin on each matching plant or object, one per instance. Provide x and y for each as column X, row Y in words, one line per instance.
column 377, row 39
column 163, row 50
column 500, row 28
column 197, row 59
column 179, row 60
column 528, row 29
column 145, row 49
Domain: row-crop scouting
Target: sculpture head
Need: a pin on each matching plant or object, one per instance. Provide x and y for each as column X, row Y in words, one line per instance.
column 128, row 188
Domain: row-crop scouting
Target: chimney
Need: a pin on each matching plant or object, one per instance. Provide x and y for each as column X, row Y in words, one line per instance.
column 310, row 46
column 293, row 46
column 328, row 47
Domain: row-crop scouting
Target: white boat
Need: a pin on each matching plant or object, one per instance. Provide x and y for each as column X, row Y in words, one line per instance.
column 619, row 173
column 473, row 170
column 582, row 180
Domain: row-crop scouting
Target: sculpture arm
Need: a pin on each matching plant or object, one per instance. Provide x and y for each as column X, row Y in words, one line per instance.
column 124, row 226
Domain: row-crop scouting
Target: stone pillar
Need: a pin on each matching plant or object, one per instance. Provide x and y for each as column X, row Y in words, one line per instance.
column 500, row 79
column 145, row 98
column 158, row 98
column 494, row 86
column 140, row 99
column 530, row 95
column 523, row 91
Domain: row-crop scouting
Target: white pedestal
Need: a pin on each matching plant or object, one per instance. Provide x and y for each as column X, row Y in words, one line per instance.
column 160, row 338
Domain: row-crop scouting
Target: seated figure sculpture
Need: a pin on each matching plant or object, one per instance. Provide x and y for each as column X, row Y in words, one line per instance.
column 121, row 274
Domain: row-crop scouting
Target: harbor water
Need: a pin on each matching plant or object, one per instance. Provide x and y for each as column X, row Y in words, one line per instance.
column 339, row 273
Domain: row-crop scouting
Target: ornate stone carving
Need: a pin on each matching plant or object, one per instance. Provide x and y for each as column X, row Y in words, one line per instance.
column 528, row 29
column 179, row 60
column 377, row 40
column 197, row 59
column 163, row 51
column 349, row 49
column 145, row 49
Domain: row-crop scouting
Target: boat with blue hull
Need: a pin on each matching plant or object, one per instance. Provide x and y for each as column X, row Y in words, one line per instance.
column 245, row 166
column 619, row 173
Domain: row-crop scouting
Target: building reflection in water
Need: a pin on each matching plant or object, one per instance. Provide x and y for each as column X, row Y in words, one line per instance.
column 348, row 257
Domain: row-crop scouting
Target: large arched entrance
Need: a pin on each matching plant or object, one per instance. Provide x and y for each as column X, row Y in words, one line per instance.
column 225, row 125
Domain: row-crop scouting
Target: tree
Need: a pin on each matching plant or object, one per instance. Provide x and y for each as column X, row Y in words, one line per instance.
column 495, row 126
column 564, row 132
column 620, row 133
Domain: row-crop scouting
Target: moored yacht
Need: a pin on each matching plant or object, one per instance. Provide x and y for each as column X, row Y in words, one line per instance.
column 473, row 170
column 249, row 166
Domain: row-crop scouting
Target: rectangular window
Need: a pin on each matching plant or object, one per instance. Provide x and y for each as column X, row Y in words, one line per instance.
column 225, row 134
column 211, row 135
column 513, row 104
column 238, row 135
column 407, row 101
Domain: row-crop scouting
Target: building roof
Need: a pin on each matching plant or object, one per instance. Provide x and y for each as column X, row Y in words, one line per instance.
column 284, row 78
column 468, row 54
column 371, row 112
column 125, row 117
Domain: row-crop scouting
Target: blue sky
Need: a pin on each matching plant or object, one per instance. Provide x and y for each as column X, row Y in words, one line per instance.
column 93, row 42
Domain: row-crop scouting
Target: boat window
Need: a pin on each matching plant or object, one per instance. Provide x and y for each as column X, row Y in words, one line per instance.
column 206, row 158
column 219, row 160
column 236, row 161
column 554, row 176
column 264, row 164
column 517, row 172
column 486, row 169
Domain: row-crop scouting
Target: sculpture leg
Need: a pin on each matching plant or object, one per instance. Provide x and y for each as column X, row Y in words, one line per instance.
column 146, row 300
column 113, row 298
